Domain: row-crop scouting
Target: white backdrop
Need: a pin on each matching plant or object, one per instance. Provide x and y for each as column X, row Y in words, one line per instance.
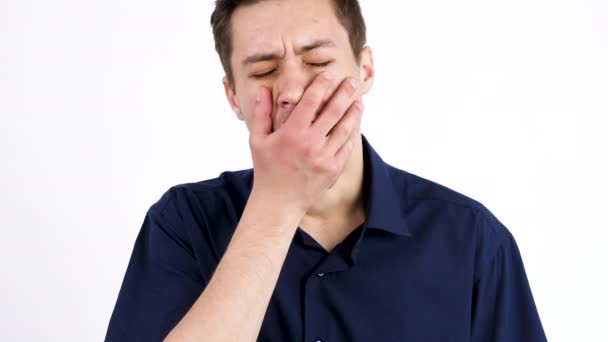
column 104, row 105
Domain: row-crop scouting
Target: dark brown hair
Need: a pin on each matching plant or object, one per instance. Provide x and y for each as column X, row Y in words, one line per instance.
column 348, row 13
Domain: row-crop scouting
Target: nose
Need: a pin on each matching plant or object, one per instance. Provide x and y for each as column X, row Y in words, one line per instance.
column 289, row 86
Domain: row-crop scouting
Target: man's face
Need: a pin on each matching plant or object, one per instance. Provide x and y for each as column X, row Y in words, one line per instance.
column 282, row 45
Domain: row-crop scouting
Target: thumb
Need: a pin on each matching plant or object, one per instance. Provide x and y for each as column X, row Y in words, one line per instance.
column 261, row 123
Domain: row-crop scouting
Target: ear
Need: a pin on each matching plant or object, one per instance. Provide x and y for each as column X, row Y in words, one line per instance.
column 232, row 100
column 366, row 69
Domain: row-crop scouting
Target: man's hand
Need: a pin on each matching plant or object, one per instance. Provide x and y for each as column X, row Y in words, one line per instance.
column 298, row 162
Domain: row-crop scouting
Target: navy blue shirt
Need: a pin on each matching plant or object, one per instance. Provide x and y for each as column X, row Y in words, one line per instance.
column 428, row 264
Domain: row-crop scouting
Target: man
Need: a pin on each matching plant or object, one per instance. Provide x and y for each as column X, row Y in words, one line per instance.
column 321, row 240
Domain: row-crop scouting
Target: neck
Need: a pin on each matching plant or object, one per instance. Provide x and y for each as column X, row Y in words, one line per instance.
column 345, row 198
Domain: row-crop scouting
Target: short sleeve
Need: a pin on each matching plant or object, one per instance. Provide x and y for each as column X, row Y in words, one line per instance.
column 503, row 306
column 161, row 283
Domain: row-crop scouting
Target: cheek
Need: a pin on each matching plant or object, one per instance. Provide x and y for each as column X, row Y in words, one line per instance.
column 247, row 106
column 246, row 102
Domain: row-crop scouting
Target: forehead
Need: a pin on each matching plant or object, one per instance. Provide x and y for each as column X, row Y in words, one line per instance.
column 272, row 24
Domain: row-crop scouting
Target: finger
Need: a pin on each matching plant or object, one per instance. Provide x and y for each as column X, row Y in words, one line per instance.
column 344, row 152
column 341, row 100
column 261, row 122
column 343, row 130
column 307, row 108
column 328, row 94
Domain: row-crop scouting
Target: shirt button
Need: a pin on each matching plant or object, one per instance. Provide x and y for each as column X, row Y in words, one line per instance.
column 320, row 275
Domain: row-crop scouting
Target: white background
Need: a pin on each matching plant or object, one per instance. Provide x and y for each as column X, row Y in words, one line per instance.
column 104, row 105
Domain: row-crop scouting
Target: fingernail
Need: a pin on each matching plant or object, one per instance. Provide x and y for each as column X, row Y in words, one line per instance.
column 258, row 95
column 327, row 75
column 354, row 82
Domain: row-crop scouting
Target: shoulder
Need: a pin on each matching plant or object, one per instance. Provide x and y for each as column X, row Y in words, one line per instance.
column 417, row 190
column 204, row 213
column 431, row 206
column 230, row 187
column 202, row 216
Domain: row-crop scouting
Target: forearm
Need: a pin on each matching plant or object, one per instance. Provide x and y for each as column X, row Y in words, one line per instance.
column 233, row 305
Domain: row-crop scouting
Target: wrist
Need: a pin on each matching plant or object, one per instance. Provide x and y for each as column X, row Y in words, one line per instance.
column 274, row 206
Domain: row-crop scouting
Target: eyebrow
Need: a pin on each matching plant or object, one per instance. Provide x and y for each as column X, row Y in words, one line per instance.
column 260, row 57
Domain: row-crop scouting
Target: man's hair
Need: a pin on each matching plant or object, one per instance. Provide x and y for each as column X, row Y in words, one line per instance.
column 348, row 13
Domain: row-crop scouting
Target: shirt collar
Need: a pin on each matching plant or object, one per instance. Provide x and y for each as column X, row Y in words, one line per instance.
column 384, row 208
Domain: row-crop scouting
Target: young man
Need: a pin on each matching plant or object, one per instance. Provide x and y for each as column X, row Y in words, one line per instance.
column 321, row 240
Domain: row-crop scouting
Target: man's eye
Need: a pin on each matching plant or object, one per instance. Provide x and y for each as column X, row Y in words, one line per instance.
column 268, row 73
column 264, row 74
column 319, row 64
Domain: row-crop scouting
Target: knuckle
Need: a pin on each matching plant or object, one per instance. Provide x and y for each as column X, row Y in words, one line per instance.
column 308, row 101
column 352, row 85
column 309, row 153
column 342, row 130
column 333, row 109
column 338, row 106
column 312, row 97
column 332, row 168
column 346, row 130
column 319, row 164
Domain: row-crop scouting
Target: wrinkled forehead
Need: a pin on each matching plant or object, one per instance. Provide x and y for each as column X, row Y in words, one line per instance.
column 275, row 25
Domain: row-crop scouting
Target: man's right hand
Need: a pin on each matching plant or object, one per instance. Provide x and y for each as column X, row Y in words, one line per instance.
column 297, row 163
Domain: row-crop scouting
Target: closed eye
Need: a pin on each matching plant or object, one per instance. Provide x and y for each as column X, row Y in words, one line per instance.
column 264, row 74
column 319, row 64
column 268, row 73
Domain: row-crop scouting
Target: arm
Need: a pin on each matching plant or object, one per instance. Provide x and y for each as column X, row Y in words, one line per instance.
column 234, row 302
column 504, row 309
column 164, row 277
